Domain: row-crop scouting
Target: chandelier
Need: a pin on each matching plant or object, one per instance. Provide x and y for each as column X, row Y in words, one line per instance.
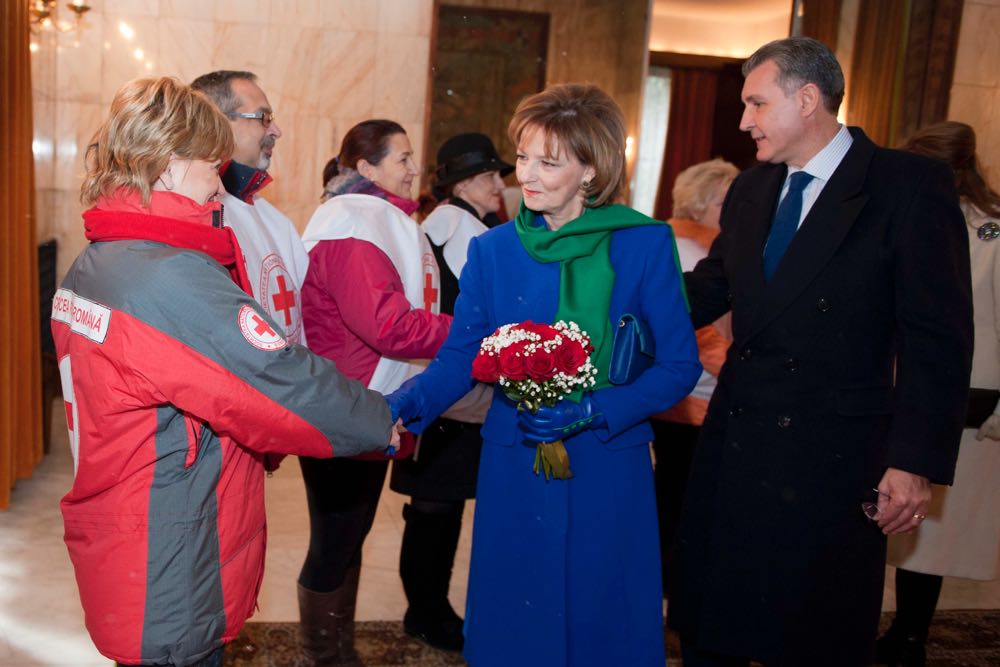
column 43, row 15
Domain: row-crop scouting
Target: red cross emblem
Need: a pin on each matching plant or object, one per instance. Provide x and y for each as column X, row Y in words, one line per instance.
column 430, row 293
column 276, row 291
column 284, row 300
column 257, row 331
column 72, row 409
column 261, row 327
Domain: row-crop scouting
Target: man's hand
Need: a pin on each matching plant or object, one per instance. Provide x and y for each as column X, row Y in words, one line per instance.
column 397, row 428
column 989, row 428
column 903, row 501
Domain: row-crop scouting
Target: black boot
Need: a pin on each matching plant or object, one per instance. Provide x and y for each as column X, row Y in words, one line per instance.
column 430, row 540
column 887, row 646
column 916, row 598
column 895, row 650
column 326, row 624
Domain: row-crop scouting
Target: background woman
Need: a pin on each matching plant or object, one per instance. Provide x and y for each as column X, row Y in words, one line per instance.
column 566, row 572
column 442, row 474
column 961, row 535
column 177, row 384
column 370, row 305
column 697, row 195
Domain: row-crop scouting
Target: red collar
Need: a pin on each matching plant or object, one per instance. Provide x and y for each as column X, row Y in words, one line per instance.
column 170, row 219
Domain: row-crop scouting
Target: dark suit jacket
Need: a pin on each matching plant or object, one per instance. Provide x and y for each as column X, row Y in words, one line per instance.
column 854, row 357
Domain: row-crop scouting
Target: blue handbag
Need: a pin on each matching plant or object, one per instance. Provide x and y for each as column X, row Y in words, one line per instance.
column 633, row 350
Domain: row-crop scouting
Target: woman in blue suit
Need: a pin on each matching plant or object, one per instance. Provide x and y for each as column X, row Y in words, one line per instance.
column 566, row 571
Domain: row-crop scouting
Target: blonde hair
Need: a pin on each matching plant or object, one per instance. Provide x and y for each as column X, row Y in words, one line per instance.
column 583, row 120
column 695, row 187
column 150, row 121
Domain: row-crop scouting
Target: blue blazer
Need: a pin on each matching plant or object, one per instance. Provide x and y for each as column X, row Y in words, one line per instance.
column 502, row 284
column 565, row 572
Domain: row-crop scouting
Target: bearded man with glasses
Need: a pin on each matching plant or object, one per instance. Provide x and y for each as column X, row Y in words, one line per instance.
column 275, row 257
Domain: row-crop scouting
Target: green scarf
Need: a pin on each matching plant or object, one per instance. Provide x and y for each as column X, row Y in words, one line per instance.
column 582, row 248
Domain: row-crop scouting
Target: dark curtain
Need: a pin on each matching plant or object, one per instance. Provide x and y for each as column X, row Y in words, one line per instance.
column 20, row 390
column 689, row 129
column 904, row 57
column 821, row 20
column 877, row 52
column 930, row 64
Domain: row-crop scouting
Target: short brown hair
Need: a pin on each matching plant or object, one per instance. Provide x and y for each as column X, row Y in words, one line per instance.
column 150, row 121
column 583, row 120
column 695, row 187
column 218, row 87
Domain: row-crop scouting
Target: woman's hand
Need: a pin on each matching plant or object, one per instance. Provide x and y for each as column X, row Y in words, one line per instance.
column 564, row 419
column 404, row 403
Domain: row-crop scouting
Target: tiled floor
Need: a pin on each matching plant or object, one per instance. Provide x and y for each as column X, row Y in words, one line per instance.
column 41, row 622
column 40, row 618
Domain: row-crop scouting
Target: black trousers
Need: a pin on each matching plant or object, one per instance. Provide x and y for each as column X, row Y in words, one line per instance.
column 674, row 446
column 342, row 495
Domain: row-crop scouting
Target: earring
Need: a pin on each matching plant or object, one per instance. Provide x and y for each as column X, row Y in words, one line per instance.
column 584, row 185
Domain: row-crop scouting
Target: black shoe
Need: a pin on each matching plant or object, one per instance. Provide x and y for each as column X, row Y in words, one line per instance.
column 442, row 630
column 887, row 647
column 912, row 653
column 895, row 651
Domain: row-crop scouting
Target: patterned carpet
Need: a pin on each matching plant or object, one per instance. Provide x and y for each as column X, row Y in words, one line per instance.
column 379, row 644
column 963, row 638
column 958, row 639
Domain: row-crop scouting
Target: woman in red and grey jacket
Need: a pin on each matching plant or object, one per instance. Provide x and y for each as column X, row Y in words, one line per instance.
column 177, row 384
column 371, row 304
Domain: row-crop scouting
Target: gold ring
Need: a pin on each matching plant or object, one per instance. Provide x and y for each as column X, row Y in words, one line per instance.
column 919, row 517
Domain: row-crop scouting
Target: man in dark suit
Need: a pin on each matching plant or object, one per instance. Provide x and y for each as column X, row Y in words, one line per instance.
column 846, row 268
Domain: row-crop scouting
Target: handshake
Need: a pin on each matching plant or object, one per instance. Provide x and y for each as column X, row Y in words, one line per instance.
column 401, row 441
column 547, row 424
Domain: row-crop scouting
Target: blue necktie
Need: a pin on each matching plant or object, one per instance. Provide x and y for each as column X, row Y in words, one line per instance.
column 786, row 222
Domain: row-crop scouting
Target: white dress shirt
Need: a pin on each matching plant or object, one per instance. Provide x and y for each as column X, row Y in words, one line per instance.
column 821, row 166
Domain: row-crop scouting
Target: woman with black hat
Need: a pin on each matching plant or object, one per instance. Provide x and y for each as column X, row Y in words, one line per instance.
column 442, row 473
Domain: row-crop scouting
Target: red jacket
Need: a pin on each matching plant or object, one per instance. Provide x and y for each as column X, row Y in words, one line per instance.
column 176, row 383
column 355, row 310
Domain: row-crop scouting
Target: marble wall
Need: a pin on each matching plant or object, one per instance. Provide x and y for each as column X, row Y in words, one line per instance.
column 975, row 90
column 324, row 64
column 603, row 42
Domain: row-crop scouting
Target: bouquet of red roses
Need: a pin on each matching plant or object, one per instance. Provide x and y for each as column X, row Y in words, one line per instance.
column 535, row 365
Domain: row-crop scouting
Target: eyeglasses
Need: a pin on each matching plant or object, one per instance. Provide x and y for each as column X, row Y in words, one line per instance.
column 266, row 117
column 870, row 507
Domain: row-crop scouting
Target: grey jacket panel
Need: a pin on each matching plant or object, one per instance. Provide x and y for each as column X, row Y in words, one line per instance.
column 189, row 297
